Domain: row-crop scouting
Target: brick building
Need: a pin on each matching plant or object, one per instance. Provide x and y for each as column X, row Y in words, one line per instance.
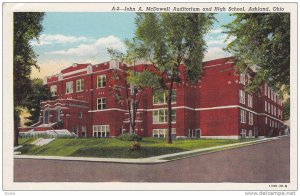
column 216, row 107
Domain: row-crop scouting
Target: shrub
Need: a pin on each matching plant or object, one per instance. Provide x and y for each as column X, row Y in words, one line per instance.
column 135, row 146
column 129, row 137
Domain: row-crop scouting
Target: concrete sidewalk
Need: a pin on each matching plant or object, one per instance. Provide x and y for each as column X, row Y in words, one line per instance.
column 155, row 159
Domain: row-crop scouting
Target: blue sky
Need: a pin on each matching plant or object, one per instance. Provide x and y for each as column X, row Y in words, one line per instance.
column 84, row 37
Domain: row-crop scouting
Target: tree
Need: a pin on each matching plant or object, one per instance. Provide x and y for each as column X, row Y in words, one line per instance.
column 262, row 40
column 39, row 93
column 286, row 109
column 136, row 81
column 169, row 39
column 27, row 26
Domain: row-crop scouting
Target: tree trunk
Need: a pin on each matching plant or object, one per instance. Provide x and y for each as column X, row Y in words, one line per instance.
column 16, row 128
column 169, row 137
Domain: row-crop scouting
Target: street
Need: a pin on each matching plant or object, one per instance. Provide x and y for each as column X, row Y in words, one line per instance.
column 260, row 163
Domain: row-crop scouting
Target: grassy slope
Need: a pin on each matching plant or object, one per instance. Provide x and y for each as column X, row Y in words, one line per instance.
column 114, row 148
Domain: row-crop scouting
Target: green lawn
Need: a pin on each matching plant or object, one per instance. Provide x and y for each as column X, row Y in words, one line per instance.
column 114, row 148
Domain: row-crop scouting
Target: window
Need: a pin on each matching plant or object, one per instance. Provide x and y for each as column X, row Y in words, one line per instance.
column 53, row 90
column 269, row 108
column 269, row 92
column 275, row 97
column 271, row 123
column 100, row 130
column 101, row 103
column 266, row 89
column 57, row 115
column 250, row 118
column 250, row 134
column 266, row 121
column 161, row 116
column 69, row 87
column 162, row 98
column 242, row 78
column 163, row 133
column 79, row 114
column 266, row 106
column 243, row 133
column 79, row 85
column 275, row 109
column 271, row 95
column 242, row 97
column 250, row 101
column 74, row 129
column 132, row 89
column 243, row 116
column 101, row 81
column 83, row 131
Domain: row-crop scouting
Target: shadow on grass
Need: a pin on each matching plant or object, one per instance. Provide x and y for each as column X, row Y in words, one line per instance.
column 121, row 152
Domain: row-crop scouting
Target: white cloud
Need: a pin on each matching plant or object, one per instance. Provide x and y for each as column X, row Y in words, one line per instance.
column 216, row 31
column 46, row 39
column 215, row 53
column 98, row 48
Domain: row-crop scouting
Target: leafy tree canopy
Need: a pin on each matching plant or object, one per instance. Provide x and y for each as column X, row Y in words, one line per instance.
column 39, row 93
column 27, row 26
column 263, row 41
column 167, row 40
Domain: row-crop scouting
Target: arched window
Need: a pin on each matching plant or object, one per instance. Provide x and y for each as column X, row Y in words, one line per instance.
column 57, row 114
column 46, row 116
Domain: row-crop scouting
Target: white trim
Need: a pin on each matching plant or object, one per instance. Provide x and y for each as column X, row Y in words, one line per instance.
column 64, row 100
column 127, row 121
column 83, row 75
column 212, row 65
column 74, row 72
column 221, row 137
column 109, row 109
column 78, row 106
column 218, row 107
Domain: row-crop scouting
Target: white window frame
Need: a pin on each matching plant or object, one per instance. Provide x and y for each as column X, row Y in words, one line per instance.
column 252, row 134
column 160, row 116
column 162, row 133
column 101, row 130
column 243, row 116
column 266, row 89
column 266, row 121
column 69, row 87
column 101, row 81
column 242, row 96
column 102, row 103
column 243, row 78
column 271, row 108
column 250, row 101
column 83, row 130
column 243, row 133
column 165, row 98
column 250, row 118
column 266, row 106
column 80, row 85
column 53, row 90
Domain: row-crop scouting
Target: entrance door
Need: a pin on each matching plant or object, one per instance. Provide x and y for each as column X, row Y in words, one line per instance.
column 250, row 133
column 198, row 133
column 46, row 117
